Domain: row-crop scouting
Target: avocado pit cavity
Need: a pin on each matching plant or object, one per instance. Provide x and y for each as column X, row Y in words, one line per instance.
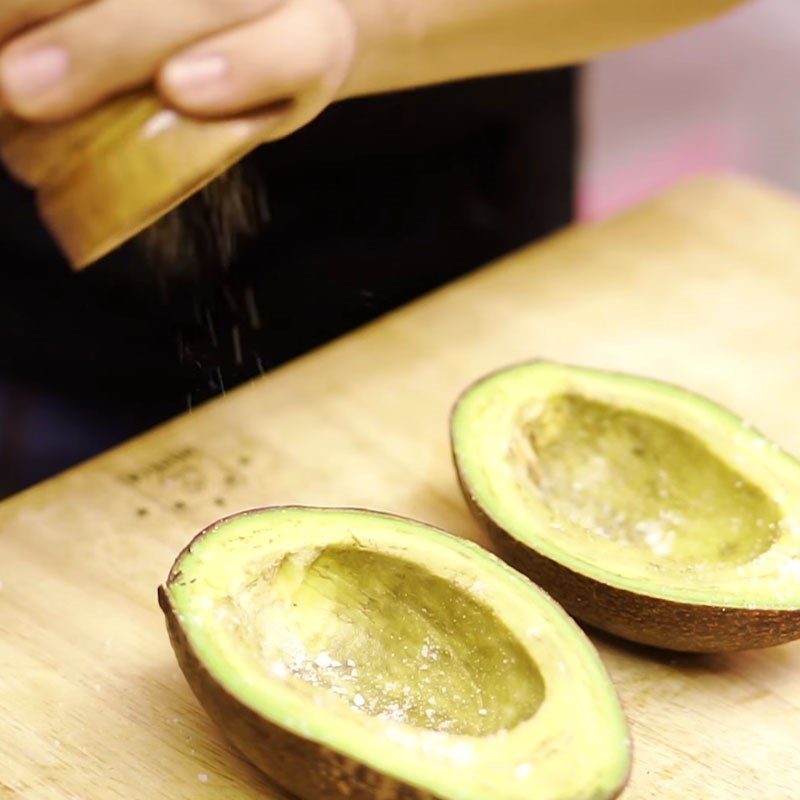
column 644, row 483
column 386, row 637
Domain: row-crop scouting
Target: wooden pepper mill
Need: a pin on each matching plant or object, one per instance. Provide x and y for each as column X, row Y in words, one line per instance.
column 102, row 178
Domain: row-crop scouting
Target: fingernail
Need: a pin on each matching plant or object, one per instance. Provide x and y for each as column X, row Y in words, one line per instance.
column 194, row 72
column 35, row 71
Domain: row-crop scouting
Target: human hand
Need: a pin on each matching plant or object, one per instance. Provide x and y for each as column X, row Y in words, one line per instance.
column 216, row 58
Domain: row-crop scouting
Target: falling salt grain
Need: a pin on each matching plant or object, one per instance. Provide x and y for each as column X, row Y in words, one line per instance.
column 358, row 700
column 202, row 777
column 483, row 711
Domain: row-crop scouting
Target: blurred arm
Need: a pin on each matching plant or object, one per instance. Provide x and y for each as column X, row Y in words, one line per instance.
column 408, row 43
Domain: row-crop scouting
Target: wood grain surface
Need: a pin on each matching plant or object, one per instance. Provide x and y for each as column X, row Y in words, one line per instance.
column 701, row 287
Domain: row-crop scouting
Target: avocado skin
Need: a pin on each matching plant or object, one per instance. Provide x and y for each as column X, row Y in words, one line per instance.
column 641, row 618
column 307, row 769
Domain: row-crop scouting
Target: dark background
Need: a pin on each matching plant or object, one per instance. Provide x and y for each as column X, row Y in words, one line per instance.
column 378, row 201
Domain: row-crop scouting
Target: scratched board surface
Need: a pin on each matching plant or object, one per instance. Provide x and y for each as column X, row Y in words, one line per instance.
column 700, row 287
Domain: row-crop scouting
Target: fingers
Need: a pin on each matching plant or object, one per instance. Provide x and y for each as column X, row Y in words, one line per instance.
column 301, row 53
column 16, row 15
column 75, row 61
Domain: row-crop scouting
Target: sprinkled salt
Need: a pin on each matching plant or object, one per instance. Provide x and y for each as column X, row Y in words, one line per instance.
column 202, row 777
column 323, row 660
column 523, row 771
column 462, row 753
column 279, row 669
column 358, row 700
column 790, row 568
column 659, row 540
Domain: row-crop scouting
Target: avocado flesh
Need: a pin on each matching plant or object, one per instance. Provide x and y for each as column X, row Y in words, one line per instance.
column 636, row 485
column 417, row 656
column 387, row 638
column 645, row 483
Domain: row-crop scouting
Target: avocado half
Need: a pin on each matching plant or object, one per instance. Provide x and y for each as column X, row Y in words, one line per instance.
column 351, row 654
column 646, row 510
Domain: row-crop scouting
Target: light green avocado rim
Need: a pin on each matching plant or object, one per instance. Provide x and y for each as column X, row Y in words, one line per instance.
column 576, row 745
column 486, row 417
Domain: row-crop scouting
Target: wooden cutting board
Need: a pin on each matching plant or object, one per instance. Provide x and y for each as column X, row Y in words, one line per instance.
column 701, row 286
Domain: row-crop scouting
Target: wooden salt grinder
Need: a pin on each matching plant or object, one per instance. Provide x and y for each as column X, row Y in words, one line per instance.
column 102, row 178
